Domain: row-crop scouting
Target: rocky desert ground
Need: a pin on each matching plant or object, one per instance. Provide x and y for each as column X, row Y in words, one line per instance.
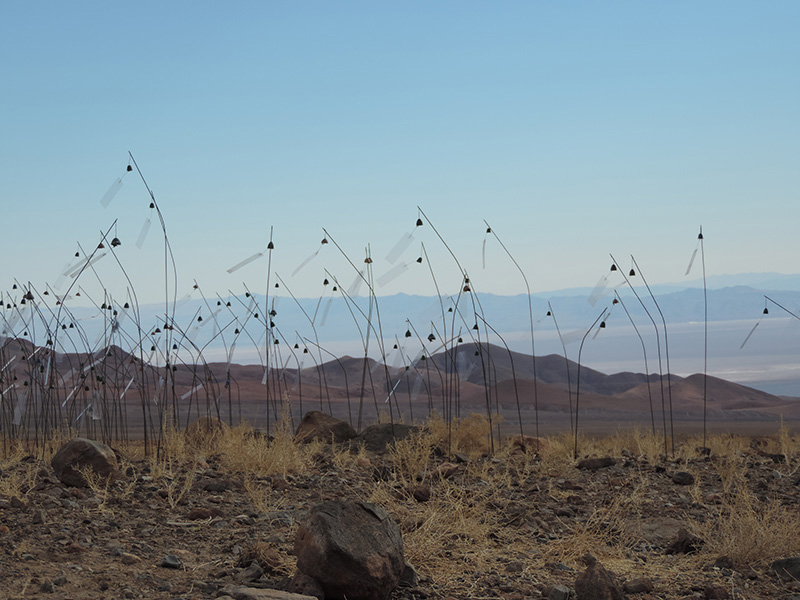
column 214, row 513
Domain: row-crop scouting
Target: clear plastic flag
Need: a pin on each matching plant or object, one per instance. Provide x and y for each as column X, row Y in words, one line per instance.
column 598, row 290
column 266, row 375
column 19, row 409
column 196, row 388
column 8, row 364
column 127, row 387
column 573, row 336
column 143, row 233
column 355, row 287
column 230, row 357
column 305, row 262
column 401, row 246
column 392, row 274
column 750, row 334
column 325, row 312
column 245, row 262
column 158, row 389
column 691, row 260
column 416, row 388
column 113, row 190
column 70, row 395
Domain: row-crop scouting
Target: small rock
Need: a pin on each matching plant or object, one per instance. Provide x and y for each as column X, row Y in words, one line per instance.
column 129, row 559
column 638, row 586
column 684, row 543
column 683, row 478
column 410, row 577
column 238, row 592
column 559, row 592
column 716, row 592
column 38, row 517
column 170, row 561
column 724, row 562
column 216, row 486
column 199, row 514
column 317, row 425
column 787, row 568
column 47, row 586
column 593, row 464
column 251, row 573
column 420, row 492
column 597, row 583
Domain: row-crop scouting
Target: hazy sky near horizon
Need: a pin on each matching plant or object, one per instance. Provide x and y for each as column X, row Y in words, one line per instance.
column 575, row 129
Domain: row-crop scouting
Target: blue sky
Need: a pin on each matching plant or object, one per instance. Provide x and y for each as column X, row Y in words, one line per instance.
column 576, row 129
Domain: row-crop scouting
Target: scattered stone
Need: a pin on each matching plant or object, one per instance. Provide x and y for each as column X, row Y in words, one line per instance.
column 261, row 552
column 420, row 492
column 597, row 583
column 683, row 478
column 444, row 471
column 200, row 514
column 317, row 425
column 460, row 457
column 410, row 577
column 239, row 592
column 684, row 543
column 376, row 438
column 47, row 586
column 352, row 549
column 593, row 464
column 716, row 592
column 787, row 568
column 724, row 562
column 638, row 586
column 170, row 561
column 81, row 453
column 38, row 517
column 558, row 592
column 216, row 486
column 251, row 573
column 17, row 503
column 129, row 559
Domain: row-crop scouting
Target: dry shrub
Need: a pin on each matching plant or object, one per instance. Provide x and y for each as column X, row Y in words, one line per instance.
column 557, row 460
column 640, row 442
column 445, row 537
column 244, row 450
column 470, row 435
column 264, row 497
column 751, row 531
column 411, row 456
column 18, row 479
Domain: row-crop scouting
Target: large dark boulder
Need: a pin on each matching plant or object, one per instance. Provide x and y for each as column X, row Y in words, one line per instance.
column 353, row 550
column 79, row 454
column 317, row 425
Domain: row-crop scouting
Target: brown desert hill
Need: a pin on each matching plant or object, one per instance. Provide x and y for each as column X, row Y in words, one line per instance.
column 502, row 365
column 456, row 378
column 722, row 397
